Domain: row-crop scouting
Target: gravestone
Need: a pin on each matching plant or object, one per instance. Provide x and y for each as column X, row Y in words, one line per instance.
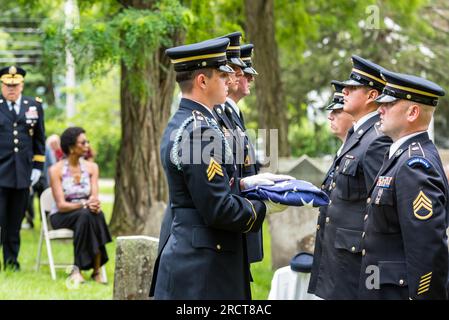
column 292, row 231
column 134, row 263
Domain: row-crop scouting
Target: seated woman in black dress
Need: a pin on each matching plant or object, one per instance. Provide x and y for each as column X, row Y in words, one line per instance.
column 74, row 184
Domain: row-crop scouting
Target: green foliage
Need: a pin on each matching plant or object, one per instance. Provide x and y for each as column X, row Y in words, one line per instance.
column 215, row 18
column 108, row 34
column 312, row 139
column 98, row 112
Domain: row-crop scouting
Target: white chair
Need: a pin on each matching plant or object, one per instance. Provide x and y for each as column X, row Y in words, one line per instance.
column 48, row 233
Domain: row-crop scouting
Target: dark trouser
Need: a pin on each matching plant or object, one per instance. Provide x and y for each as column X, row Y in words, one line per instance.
column 13, row 203
column 90, row 235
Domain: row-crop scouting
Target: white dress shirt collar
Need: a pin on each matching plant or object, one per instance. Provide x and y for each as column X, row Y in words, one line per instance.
column 205, row 107
column 233, row 105
column 16, row 104
column 395, row 145
column 364, row 119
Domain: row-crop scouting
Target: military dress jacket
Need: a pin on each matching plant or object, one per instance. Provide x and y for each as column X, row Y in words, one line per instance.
column 205, row 255
column 404, row 246
column 244, row 155
column 22, row 142
column 338, row 267
column 326, row 187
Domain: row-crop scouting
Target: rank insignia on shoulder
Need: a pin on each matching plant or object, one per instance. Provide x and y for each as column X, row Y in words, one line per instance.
column 384, row 181
column 198, row 117
column 422, row 207
column 213, row 169
column 418, row 161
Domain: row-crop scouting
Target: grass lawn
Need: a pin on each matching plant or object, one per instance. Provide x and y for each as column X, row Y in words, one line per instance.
column 30, row 284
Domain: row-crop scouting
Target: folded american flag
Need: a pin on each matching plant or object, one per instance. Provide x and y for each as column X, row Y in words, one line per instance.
column 290, row 192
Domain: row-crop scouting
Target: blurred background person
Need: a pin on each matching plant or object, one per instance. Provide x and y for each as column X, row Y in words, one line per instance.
column 74, row 183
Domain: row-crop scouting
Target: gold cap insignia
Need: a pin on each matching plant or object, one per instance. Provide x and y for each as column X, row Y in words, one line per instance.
column 12, row 77
column 213, row 169
column 422, row 207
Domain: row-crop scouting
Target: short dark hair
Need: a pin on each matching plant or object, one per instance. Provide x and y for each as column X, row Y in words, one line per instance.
column 69, row 137
column 185, row 78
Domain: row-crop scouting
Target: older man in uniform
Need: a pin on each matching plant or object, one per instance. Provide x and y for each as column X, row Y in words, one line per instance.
column 336, row 274
column 339, row 122
column 404, row 247
column 205, row 256
column 22, row 149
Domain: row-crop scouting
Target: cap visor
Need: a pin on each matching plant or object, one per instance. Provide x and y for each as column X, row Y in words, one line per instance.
column 334, row 106
column 238, row 62
column 385, row 98
column 226, row 68
column 352, row 82
column 250, row 70
column 12, row 82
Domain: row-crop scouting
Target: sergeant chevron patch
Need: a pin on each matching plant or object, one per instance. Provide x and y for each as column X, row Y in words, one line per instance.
column 213, row 169
column 422, row 207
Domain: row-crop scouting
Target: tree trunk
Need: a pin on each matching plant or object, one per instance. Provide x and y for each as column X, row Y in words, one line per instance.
column 140, row 184
column 269, row 93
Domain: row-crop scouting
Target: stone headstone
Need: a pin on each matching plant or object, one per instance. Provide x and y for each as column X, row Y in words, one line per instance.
column 305, row 168
column 134, row 263
column 292, row 231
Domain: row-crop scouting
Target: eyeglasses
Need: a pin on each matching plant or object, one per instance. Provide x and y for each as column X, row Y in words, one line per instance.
column 84, row 142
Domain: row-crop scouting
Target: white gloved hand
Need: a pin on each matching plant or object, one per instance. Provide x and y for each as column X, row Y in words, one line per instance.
column 35, row 175
column 273, row 207
column 263, row 179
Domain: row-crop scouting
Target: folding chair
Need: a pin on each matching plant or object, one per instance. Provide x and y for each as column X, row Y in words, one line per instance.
column 48, row 233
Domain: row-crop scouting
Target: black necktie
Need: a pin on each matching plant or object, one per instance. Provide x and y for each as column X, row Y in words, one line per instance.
column 14, row 114
column 242, row 119
column 350, row 132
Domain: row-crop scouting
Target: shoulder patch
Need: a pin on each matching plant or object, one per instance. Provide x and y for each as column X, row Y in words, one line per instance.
column 213, row 169
column 38, row 99
column 422, row 206
column 419, row 162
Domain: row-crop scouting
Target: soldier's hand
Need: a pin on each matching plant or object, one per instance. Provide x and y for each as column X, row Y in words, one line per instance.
column 35, row 175
column 263, row 179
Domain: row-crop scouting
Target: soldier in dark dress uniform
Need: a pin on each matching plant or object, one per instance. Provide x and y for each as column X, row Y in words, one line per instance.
column 22, row 150
column 404, row 246
column 205, row 256
column 335, row 274
column 231, row 120
column 340, row 123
